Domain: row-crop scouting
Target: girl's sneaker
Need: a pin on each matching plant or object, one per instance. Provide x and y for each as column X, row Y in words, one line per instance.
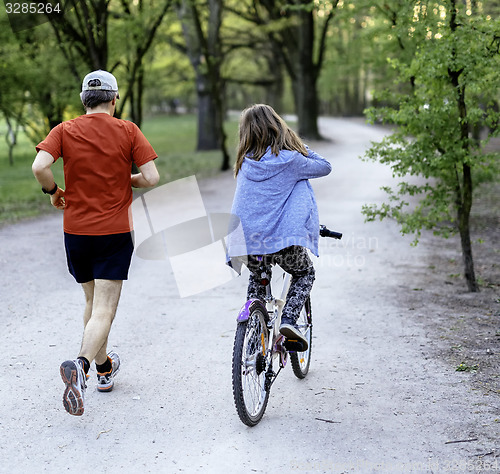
column 293, row 334
column 73, row 376
column 105, row 381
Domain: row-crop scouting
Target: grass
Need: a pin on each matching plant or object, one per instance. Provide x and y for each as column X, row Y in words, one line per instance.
column 463, row 367
column 172, row 137
column 20, row 194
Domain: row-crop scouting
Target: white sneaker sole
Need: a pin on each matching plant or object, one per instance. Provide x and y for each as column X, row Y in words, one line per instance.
column 73, row 394
column 293, row 334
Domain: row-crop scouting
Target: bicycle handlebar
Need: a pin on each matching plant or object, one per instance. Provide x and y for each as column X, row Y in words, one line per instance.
column 324, row 232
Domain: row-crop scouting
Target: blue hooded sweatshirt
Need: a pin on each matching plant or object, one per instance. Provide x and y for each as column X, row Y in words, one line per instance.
column 275, row 203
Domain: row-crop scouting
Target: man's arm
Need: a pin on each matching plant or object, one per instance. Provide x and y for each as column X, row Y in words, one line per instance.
column 43, row 174
column 148, row 176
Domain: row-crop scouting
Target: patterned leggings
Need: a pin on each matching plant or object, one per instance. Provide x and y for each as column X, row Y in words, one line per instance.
column 293, row 260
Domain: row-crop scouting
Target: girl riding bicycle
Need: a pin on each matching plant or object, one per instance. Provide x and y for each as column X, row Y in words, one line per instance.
column 275, row 204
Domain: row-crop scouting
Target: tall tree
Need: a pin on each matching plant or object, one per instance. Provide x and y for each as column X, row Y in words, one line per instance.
column 83, row 35
column 453, row 84
column 140, row 23
column 343, row 83
column 201, row 25
column 300, row 32
column 35, row 86
column 12, row 92
column 255, row 59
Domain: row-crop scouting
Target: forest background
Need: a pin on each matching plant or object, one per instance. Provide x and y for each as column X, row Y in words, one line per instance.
column 427, row 68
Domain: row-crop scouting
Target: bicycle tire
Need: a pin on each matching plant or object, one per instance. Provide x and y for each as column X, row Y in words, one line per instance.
column 302, row 360
column 249, row 368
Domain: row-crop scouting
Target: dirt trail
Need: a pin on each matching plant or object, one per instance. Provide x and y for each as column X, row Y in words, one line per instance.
column 377, row 399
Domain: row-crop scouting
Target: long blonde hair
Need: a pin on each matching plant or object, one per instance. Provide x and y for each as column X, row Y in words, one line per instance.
column 261, row 127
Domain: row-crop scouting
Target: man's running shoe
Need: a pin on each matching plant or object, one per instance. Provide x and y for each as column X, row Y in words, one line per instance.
column 293, row 334
column 73, row 376
column 105, row 381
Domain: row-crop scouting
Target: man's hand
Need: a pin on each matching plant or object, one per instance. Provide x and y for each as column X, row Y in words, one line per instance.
column 57, row 199
column 148, row 176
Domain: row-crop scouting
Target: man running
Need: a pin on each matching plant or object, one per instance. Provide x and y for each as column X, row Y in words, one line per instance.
column 98, row 151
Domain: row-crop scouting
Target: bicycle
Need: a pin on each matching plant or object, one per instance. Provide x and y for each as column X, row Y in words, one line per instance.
column 258, row 343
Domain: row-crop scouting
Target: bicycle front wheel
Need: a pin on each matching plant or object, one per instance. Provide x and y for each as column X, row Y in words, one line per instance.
column 302, row 360
column 249, row 366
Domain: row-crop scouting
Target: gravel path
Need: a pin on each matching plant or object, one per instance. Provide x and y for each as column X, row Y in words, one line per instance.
column 375, row 400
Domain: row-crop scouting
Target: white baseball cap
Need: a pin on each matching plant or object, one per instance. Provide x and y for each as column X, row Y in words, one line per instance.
column 100, row 81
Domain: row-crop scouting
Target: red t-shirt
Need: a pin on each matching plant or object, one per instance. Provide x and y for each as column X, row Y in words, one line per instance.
column 98, row 151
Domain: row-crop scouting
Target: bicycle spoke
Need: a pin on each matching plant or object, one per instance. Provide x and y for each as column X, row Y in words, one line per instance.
column 252, row 382
column 249, row 380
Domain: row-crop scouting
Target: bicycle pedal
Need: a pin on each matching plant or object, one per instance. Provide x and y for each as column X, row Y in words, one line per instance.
column 293, row 345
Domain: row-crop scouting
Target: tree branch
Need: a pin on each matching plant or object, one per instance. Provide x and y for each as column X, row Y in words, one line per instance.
column 322, row 42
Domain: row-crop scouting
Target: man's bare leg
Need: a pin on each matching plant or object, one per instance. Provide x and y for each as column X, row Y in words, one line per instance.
column 88, row 289
column 102, row 297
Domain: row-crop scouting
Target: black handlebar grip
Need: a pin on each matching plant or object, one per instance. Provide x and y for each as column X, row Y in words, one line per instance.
column 324, row 232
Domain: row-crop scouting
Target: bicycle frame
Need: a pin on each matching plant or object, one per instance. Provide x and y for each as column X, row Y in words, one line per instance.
column 272, row 304
column 273, row 308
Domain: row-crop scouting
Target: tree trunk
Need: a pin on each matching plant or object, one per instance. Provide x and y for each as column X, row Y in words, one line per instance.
column 302, row 56
column 464, row 192
column 464, row 230
column 218, row 98
column 274, row 92
column 131, row 99
column 140, row 92
column 225, row 155
column 136, row 88
column 207, row 116
column 11, row 139
column 306, row 76
column 52, row 111
column 211, row 134
column 205, row 54
column 306, row 101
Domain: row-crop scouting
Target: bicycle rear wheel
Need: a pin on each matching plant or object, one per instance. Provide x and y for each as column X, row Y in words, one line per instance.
column 302, row 360
column 249, row 366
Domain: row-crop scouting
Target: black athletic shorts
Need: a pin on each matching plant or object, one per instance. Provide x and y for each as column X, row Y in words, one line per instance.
column 104, row 257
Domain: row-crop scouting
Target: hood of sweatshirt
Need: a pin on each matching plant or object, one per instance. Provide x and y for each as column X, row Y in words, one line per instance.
column 268, row 166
